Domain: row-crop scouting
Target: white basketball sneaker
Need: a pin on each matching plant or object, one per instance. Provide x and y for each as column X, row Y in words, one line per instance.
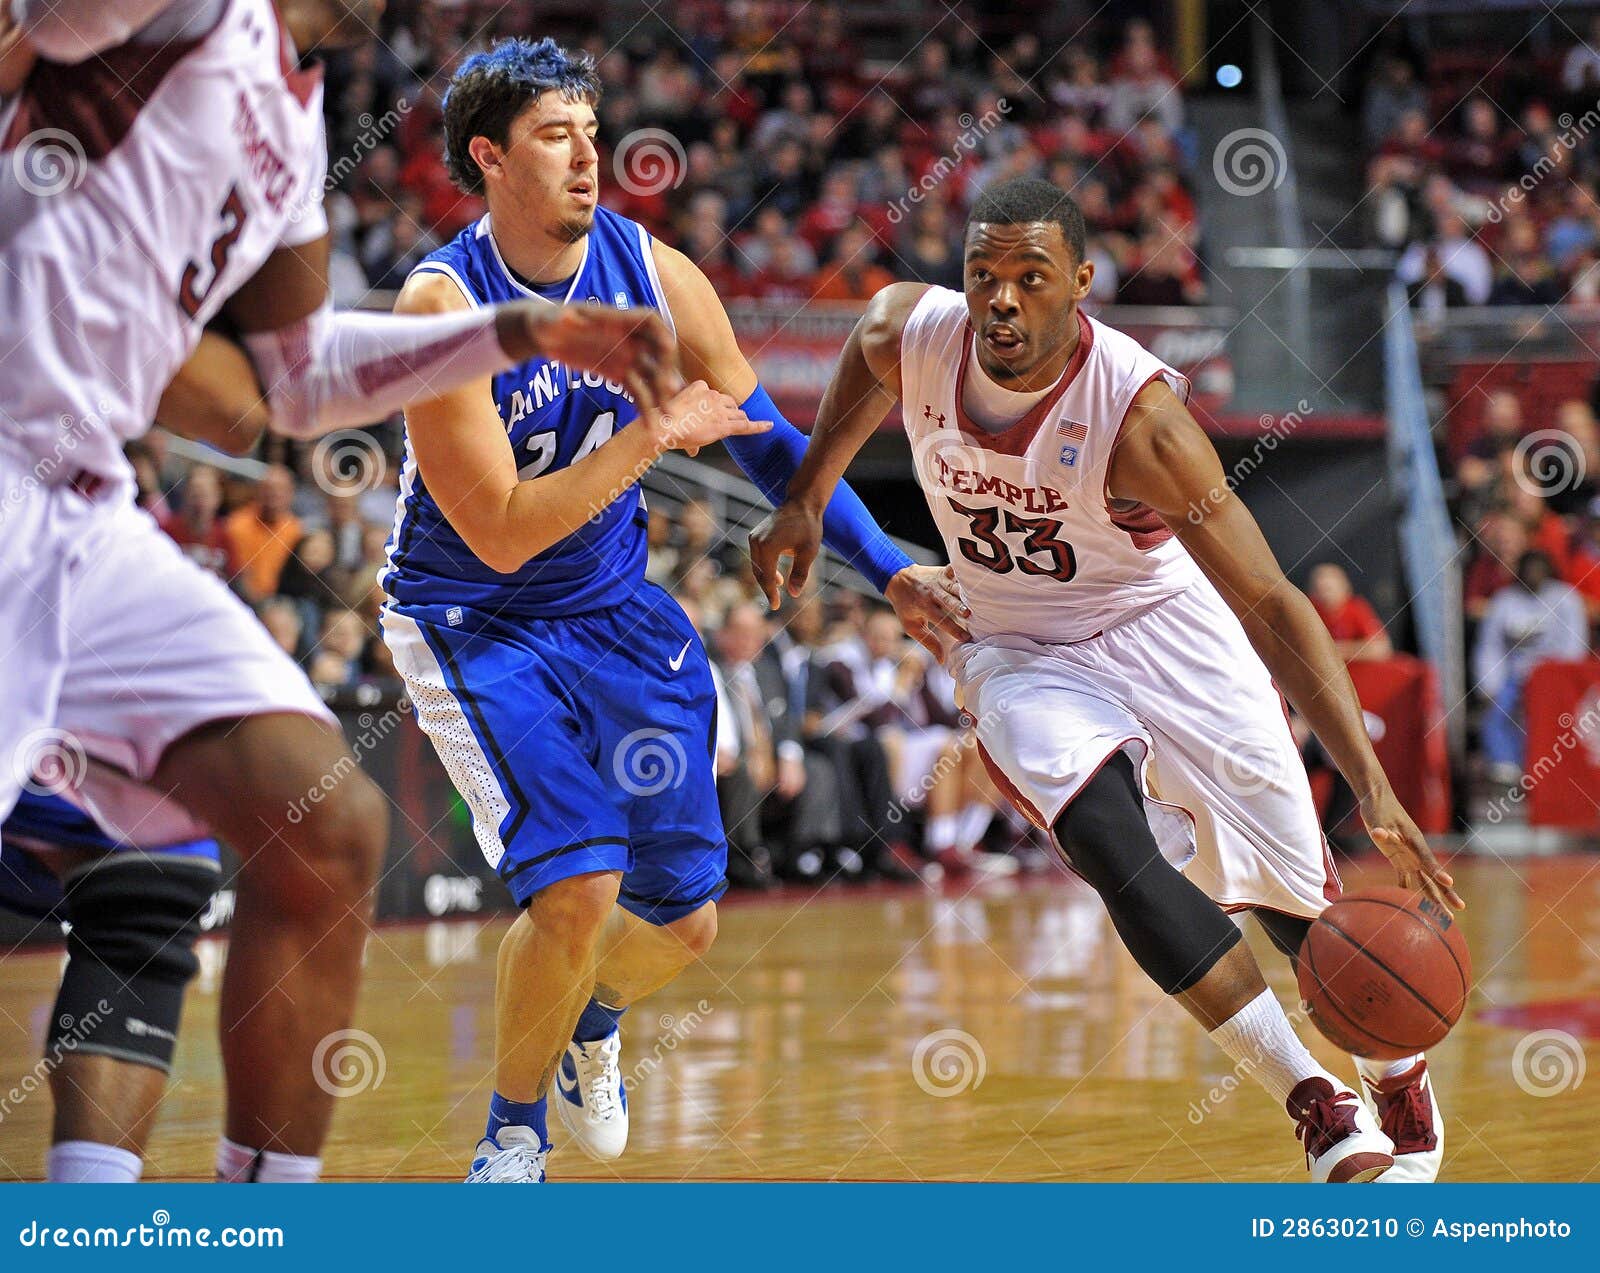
column 513, row 1156
column 592, row 1097
column 1409, row 1115
column 1344, row 1144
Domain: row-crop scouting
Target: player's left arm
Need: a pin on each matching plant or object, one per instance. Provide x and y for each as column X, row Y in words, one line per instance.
column 215, row 398
column 1164, row 459
column 710, row 352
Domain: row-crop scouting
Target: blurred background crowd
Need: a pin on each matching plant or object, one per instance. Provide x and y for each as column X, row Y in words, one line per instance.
column 1482, row 172
column 772, row 150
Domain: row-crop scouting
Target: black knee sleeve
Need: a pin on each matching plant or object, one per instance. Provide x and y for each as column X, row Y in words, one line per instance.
column 1288, row 932
column 130, row 954
column 1173, row 930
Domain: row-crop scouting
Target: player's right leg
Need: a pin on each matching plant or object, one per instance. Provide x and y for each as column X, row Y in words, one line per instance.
column 1062, row 747
column 500, row 703
column 173, row 681
column 1189, row 947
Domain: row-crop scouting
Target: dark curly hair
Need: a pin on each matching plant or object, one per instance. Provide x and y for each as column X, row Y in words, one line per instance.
column 1020, row 200
column 492, row 88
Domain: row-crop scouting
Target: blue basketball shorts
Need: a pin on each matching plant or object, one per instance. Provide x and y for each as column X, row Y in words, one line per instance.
column 580, row 744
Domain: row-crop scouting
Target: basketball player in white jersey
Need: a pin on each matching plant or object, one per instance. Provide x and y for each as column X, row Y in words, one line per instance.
column 1128, row 622
column 162, row 164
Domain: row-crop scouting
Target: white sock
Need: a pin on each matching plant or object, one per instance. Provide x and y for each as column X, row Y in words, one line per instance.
column 238, row 1165
column 87, row 1162
column 1376, row 1071
column 974, row 822
column 1264, row 1045
column 942, row 832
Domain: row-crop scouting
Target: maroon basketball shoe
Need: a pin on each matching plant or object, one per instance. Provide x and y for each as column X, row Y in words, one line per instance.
column 1342, row 1140
column 1410, row 1117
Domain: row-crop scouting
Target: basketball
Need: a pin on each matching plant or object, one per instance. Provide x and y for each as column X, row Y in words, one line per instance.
column 1385, row 972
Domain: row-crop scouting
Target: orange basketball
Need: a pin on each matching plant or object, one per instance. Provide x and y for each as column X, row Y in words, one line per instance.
column 1385, row 972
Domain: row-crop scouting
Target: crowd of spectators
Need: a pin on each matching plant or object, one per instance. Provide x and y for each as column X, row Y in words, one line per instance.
column 1490, row 198
column 1527, row 496
column 784, row 161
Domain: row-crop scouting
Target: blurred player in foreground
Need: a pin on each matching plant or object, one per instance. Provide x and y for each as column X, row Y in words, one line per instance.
column 1128, row 624
column 571, row 700
column 191, row 191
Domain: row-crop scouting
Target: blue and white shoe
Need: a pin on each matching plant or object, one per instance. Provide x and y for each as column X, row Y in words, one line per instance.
column 592, row 1097
column 514, row 1156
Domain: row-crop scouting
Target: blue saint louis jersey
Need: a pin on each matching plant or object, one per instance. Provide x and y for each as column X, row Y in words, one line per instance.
column 572, row 701
column 554, row 416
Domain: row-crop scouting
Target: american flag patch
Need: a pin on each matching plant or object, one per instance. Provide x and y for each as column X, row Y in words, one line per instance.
column 1073, row 431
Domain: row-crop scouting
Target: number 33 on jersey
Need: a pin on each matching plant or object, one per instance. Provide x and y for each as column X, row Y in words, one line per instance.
column 1039, row 547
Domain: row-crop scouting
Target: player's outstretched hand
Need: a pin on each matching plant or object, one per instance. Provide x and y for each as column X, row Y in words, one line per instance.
column 929, row 605
column 632, row 347
column 790, row 530
column 1401, row 841
column 696, row 416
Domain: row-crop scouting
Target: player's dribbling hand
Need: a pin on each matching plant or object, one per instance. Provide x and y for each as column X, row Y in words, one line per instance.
column 1401, row 841
column 929, row 606
column 696, row 416
column 790, row 530
column 630, row 347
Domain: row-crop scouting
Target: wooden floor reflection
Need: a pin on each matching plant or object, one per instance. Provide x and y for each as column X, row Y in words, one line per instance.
column 990, row 1033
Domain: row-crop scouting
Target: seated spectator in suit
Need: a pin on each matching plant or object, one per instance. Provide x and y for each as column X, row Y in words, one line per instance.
column 1352, row 622
column 797, row 795
column 1533, row 618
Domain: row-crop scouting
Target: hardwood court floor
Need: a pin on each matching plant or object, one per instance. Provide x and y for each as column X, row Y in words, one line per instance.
column 995, row 1032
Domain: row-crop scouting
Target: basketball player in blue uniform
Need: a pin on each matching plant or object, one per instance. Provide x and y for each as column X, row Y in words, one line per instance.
column 570, row 700
column 135, row 914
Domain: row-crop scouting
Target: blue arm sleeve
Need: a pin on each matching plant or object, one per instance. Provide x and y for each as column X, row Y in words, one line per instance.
column 770, row 460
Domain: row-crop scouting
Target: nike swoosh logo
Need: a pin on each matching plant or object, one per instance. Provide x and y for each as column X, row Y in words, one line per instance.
column 677, row 663
column 571, row 1093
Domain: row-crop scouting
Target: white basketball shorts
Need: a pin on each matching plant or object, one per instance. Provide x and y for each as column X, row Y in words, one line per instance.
column 113, row 644
column 1180, row 690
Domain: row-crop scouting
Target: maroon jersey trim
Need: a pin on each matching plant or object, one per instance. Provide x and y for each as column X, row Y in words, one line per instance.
column 1142, row 523
column 1019, row 437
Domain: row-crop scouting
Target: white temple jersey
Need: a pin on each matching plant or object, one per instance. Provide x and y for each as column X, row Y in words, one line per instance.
column 1039, row 548
column 139, row 190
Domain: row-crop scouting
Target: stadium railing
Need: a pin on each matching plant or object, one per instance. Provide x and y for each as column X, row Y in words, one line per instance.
column 1428, row 546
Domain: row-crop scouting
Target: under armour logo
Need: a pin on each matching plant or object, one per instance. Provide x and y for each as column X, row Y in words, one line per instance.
column 929, row 414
